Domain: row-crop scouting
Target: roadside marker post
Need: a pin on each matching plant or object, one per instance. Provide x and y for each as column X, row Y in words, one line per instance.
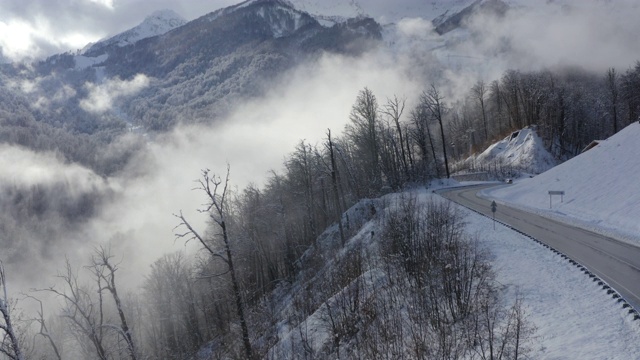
column 494, row 207
column 555, row 192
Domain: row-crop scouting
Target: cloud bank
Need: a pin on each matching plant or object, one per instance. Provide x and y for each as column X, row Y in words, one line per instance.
column 102, row 96
column 136, row 217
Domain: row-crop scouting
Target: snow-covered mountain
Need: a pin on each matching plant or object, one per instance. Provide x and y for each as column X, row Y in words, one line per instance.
column 282, row 16
column 155, row 24
column 194, row 72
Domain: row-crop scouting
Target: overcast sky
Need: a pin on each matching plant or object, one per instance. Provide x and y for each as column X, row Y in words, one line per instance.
column 37, row 28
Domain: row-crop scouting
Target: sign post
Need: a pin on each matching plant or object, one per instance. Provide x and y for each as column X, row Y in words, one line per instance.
column 494, row 207
column 555, row 192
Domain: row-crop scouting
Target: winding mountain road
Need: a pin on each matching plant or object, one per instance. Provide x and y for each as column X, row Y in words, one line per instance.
column 615, row 262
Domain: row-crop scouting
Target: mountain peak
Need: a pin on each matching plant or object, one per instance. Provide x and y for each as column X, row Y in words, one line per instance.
column 233, row 8
column 164, row 17
column 158, row 23
column 281, row 17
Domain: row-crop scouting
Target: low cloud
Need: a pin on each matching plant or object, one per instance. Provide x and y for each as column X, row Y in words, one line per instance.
column 593, row 34
column 136, row 216
column 253, row 140
column 102, row 96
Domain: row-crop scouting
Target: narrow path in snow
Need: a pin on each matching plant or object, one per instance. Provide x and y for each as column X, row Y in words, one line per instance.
column 613, row 261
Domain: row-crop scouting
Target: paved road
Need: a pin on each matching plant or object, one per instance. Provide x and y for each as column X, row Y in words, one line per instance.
column 615, row 262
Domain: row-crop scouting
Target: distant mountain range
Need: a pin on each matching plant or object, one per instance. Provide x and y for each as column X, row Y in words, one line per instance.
column 166, row 70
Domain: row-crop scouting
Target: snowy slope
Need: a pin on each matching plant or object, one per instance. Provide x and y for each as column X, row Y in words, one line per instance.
column 155, row 24
column 574, row 318
column 601, row 187
column 522, row 150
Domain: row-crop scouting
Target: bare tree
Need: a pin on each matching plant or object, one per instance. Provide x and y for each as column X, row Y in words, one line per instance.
column 215, row 190
column 105, row 270
column 172, row 310
column 612, row 86
column 334, row 181
column 479, row 91
column 9, row 345
column 85, row 314
column 433, row 101
column 422, row 136
column 44, row 329
column 363, row 133
column 394, row 109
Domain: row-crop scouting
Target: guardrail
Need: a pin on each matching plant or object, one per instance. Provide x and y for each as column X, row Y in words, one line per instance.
column 631, row 311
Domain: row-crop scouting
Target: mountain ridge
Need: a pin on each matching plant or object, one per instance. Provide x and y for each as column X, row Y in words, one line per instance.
column 155, row 24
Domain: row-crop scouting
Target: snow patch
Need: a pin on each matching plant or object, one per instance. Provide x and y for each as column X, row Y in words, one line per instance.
column 522, row 150
column 83, row 62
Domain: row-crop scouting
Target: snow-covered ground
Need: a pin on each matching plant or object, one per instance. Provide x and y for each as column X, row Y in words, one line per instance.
column 575, row 318
column 600, row 185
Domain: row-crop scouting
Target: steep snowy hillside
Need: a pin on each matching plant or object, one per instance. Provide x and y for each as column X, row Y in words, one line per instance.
column 604, row 329
column 523, row 150
column 600, row 185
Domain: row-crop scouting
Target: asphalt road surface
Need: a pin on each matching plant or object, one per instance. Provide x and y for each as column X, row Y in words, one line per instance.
column 615, row 262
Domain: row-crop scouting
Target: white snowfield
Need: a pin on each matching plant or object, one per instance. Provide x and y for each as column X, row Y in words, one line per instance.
column 601, row 187
column 574, row 317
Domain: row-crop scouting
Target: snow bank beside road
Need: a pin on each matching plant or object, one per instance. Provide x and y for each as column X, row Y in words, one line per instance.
column 575, row 318
column 601, row 187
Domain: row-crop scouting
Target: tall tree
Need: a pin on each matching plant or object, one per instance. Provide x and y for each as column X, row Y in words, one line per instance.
column 612, row 87
column 422, row 136
column 363, row 133
column 433, row 101
column 631, row 92
column 394, row 109
column 334, row 181
column 105, row 270
column 479, row 91
column 216, row 192
column 9, row 345
column 85, row 314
